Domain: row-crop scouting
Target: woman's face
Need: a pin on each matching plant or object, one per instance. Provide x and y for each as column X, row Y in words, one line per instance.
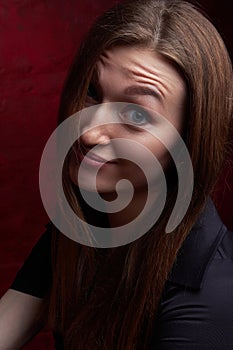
column 130, row 75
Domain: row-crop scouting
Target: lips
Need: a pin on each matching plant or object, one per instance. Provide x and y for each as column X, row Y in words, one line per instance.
column 91, row 158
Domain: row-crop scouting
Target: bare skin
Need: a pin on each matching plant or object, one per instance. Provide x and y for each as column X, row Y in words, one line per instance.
column 21, row 317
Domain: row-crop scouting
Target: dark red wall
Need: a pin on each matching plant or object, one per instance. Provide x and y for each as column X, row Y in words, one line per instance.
column 37, row 41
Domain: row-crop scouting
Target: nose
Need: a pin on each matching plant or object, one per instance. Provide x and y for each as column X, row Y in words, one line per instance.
column 97, row 135
column 97, row 128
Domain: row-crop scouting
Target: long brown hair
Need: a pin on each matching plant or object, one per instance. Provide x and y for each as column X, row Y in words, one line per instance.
column 107, row 299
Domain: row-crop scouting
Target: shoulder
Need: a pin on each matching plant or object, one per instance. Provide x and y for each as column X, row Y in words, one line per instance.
column 196, row 308
column 35, row 276
column 214, row 296
column 217, row 288
column 200, row 318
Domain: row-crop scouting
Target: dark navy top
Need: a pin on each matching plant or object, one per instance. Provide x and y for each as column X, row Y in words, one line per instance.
column 196, row 307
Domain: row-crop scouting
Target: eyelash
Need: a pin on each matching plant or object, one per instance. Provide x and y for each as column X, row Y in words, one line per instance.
column 93, row 95
column 139, row 110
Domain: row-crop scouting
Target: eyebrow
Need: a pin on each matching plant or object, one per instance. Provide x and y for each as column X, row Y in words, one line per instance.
column 142, row 90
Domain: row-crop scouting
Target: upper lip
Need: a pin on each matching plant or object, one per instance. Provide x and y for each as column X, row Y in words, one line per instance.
column 95, row 157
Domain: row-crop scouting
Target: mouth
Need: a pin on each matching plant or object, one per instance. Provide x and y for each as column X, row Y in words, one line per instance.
column 92, row 158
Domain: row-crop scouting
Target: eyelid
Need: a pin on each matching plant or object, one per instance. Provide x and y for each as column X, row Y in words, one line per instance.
column 142, row 90
column 140, row 109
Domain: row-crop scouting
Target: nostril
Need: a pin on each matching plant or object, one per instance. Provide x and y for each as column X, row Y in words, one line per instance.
column 94, row 137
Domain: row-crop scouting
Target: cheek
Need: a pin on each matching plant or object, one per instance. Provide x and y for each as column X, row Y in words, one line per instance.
column 159, row 149
column 161, row 153
column 146, row 165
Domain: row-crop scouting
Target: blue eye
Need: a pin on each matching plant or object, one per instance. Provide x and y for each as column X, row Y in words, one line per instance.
column 135, row 115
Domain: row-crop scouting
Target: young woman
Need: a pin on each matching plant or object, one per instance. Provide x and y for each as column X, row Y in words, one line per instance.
column 161, row 291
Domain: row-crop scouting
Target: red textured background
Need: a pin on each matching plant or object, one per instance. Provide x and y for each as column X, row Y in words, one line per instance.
column 38, row 39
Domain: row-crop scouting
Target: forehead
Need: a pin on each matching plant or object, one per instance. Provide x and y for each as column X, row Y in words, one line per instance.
column 141, row 64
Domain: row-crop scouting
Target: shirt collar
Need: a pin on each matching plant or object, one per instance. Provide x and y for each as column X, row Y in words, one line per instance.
column 198, row 249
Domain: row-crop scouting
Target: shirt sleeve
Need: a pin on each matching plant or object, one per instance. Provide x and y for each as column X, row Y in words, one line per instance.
column 200, row 319
column 35, row 276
